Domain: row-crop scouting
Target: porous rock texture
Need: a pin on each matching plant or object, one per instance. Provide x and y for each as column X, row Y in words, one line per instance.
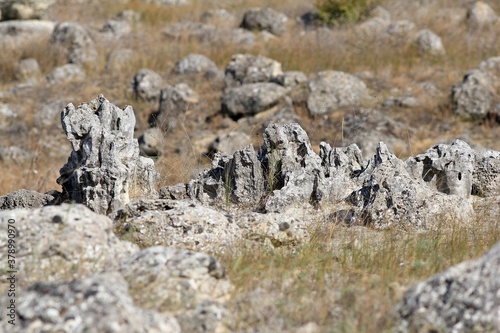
column 105, row 161
column 464, row 298
column 473, row 97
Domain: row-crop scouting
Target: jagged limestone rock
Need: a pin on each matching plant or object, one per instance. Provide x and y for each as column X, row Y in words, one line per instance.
column 464, row 298
column 104, row 165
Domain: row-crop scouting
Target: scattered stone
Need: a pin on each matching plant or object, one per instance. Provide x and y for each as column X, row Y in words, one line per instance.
column 62, row 242
column 265, row 19
column 464, row 298
column 473, row 97
column 105, row 161
column 73, row 37
column 229, row 143
column 250, row 99
column 218, row 17
column 194, row 64
column 147, row 85
column 330, row 90
column 100, row 303
column 28, row 70
column 66, row 73
column 174, row 103
column 429, row 43
column 24, row 9
column 246, row 68
column 152, row 142
column 480, row 15
column 16, row 155
column 27, row 199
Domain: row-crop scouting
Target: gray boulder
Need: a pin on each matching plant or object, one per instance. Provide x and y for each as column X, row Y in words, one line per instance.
column 100, row 303
column 27, row 199
column 152, row 142
column 75, row 39
column 447, row 168
column 218, row 17
column 17, row 33
column 63, row 242
column 105, row 161
column 175, row 101
column 66, row 73
column 250, row 99
column 229, row 143
column 266, row 19
column 24, row 9
column 480, row 15
column 28, row 70
column 428, row 43
column 330, row 90
column 246, row 68
column 464, row 298
column 194, row 64
column 147, row 85
column 486, row 174
column 473, row 97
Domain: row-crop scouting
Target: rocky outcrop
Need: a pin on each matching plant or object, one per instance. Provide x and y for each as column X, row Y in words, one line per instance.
column 76, row 41
column 473, row 97
column 464, row 298
column 266, row 19
column 105, row 163
column 330, row 90
column 63, row 242
column 27, row 199
column 246, row 68
column 100, row 303
column 147, row 85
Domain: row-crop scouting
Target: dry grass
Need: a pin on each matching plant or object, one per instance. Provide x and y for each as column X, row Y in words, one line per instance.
column 345, row 279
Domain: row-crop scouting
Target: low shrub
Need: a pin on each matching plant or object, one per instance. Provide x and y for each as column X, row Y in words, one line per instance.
column 334, row 12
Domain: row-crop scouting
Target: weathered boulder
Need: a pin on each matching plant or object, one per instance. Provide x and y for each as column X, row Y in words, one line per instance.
column 194, row 64
column 24, row 9
column 447, row 168
column 486, row 174
column 147, row 85
column 176, row 223
column 63, row 242
column 170, row 278
column 480, row 15
column 100, row 303
column 290, row 79
column 330, row 90
column 105, row 161
column 473, row 97
column 428, row 43
column 390, row 196
column 28, row 70
column 266, row 19
column 152, row 142
column 66, row 73
column 75, row 39
column 175, row 101
column 229, row 143
column 464, row 298
column 246, row 68
column 250, row 99
column 27, row 199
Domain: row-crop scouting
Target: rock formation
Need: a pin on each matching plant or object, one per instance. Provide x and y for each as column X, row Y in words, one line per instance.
column 104, row 165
